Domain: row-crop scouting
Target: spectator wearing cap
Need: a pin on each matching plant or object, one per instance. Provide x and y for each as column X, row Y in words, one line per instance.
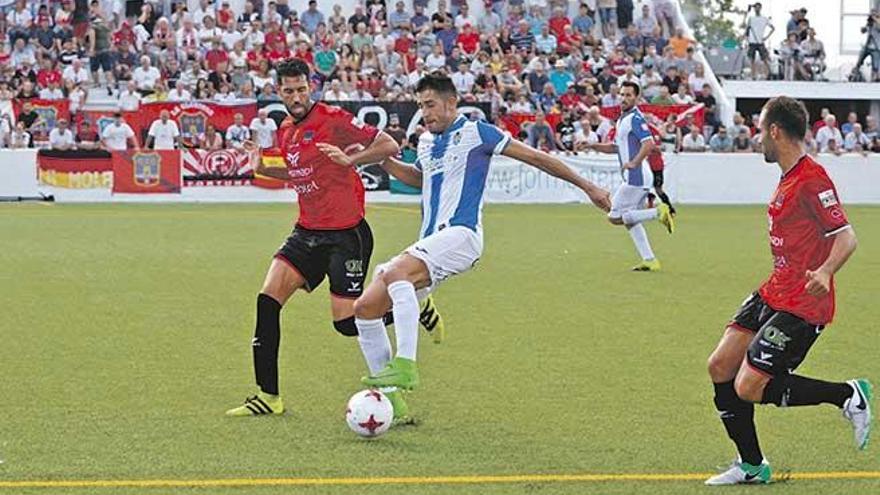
column 61, row 137
column 560, row 77
column 468, row 41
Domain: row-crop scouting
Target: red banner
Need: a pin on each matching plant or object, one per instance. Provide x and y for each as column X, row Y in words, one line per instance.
column 227, row 167
column 191, row 117
column 75, row 169
column 155, row 171
column 48, row 110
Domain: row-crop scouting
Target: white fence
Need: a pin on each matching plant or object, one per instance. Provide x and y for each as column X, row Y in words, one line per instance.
column 690, row 179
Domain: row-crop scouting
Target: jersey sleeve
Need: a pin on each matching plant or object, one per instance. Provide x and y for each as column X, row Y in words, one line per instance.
column 350, row 130
column 492, row 138
column 640, row 128
column 820, row 199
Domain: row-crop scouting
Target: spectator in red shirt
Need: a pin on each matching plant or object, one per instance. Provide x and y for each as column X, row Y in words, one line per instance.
column 255, row 56
column 224, row 15
column 274, row 35
column 278, row 52
column 304, row 53
column 48, row 74
column 216, row 55
column 558, row 22
column 468, row 41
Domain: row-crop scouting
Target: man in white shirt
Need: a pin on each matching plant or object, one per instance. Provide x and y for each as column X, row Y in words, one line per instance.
column 756, row 33
column 231, row 36
column 129, row 98
column 116, row 135
column 694, row 141
column 857, row 140
column 53, row 92
column 179, row 93
column 145, row 76
column 335, row 93
column 828, row 133
column 61, row 138
column 463, row 79
column 210, row 33
column 76, row 72
column 237, row 133
column 464, row 17
column 163, row 134
column 612, row 98
column 264, row 129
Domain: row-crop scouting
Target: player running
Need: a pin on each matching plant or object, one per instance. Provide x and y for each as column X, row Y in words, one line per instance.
column 770, row 335
column 452, row 166
column 331, row 237
column 633, row 143
column 657, row 165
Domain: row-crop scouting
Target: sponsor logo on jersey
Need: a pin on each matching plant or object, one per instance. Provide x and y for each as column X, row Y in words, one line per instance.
column 776, row 241
column 828, row 198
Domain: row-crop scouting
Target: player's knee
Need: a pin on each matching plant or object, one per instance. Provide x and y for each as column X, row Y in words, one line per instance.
column 718, row 369
column 747, row 389
column 366, row 309
column 346, row 327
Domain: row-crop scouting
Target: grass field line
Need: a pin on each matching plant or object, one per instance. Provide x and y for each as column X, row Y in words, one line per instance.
column 412, row 480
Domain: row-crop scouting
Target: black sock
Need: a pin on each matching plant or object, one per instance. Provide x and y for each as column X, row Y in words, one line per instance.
column 665, row 198
column 794, row 390
column 738, row 417
column 265, row 344
column 388, row 318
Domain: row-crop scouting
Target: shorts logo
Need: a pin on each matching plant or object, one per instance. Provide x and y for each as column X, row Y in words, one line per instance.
column 355, row 286
column 354, row 266
column 828, row 198
column 776, row 337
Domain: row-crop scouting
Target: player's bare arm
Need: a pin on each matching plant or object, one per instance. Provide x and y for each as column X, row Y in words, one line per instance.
column 555, row 167
column 403, row 172
column 608, row 148
column 380, row 149
column 253, row 150
column 646, row 149
column 819, row 280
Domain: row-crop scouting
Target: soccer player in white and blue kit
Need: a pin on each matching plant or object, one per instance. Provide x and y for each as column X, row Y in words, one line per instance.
column 633, row 143
column 452, row 166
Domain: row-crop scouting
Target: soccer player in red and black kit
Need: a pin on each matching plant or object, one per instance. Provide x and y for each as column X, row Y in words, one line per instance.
column 321, row 145
column 655, row 161
column 770, row 335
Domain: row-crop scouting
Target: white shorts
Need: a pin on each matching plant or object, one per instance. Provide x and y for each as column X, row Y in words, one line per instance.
column 627, row 198
column 449, row 252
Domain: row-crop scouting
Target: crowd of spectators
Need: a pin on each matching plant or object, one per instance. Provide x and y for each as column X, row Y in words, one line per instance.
column 519, row 56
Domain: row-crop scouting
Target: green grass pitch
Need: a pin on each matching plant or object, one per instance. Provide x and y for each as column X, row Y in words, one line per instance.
column 126, row 334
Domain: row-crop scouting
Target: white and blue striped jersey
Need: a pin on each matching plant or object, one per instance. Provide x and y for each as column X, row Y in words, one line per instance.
column 632, row 130
column 454, row 167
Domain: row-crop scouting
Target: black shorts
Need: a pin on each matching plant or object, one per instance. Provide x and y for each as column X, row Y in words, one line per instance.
column 342, row 255
column 658, row 178
column 759, row 48
column 782, row 339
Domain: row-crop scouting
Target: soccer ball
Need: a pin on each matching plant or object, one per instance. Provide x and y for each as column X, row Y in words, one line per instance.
column 369, row 413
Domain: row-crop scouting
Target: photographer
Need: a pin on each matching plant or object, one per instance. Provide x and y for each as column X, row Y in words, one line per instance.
column 756, row 36
column 872, row 48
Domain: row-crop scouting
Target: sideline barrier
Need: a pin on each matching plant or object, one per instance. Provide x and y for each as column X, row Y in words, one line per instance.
column 699, row 178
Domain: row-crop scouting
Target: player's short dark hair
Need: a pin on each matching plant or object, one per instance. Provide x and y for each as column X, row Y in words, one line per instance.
column 292, row 67
column 634, row 86
column 788, row 114
column 441, row 83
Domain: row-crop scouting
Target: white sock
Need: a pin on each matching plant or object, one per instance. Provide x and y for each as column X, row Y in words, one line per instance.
column 638, row 216
column 374, row 342
column 405, row 306
column 640, row 239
